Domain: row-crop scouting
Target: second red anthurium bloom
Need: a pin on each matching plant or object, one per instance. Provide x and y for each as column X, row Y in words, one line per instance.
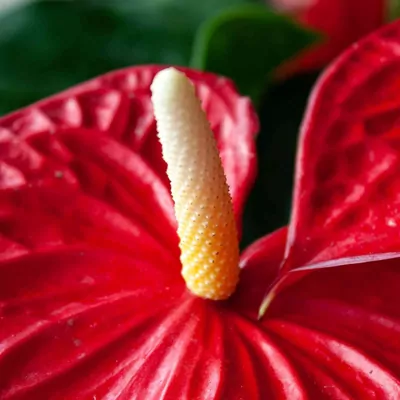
column 339, row 23
column 92, row 301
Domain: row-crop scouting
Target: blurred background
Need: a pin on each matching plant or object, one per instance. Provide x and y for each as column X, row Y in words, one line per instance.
column 273, row 50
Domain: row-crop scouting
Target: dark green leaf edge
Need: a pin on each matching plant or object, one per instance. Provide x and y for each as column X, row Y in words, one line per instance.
column 208, row 29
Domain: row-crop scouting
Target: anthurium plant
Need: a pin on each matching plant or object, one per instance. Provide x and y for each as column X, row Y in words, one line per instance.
column 111, row 288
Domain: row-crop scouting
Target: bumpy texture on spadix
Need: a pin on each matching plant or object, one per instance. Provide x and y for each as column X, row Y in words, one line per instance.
column 203, row 206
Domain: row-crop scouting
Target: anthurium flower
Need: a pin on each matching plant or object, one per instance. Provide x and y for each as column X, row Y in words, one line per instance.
column 93, row 303
column 340, row 22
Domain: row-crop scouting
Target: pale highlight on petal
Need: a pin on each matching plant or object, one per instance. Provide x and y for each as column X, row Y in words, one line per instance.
column 203, row 205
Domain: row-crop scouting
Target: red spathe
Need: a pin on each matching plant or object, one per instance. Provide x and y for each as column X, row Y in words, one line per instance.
column 92, row 302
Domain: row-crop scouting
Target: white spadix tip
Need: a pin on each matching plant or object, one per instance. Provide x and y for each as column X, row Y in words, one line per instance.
column 169, row 80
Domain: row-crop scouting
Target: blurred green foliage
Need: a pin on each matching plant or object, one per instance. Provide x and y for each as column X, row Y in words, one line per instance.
column 47, row 46
column 281, row 113
column 248, row 43
column 394, row 9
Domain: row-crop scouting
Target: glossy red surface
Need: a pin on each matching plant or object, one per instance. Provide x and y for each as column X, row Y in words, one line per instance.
column 92, row 302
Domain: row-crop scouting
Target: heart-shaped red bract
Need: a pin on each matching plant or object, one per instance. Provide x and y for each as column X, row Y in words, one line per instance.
column 92, row 302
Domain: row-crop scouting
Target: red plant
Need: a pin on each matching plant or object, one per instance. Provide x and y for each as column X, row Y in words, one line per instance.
column 92, row 301
column 341, row 23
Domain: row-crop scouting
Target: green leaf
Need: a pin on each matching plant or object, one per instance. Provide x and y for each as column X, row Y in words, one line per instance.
column 393, row 9
column 47, row 46
column 247, row 43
